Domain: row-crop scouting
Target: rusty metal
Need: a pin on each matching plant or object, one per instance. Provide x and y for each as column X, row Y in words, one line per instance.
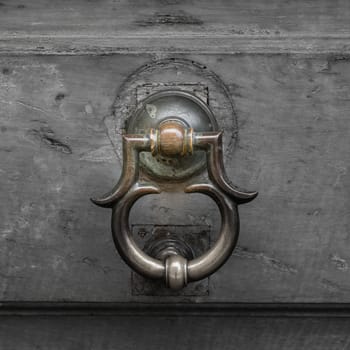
column 174, row 137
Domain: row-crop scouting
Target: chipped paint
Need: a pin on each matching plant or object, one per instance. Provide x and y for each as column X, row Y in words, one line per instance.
column 340, row 263
column 151, row 110
column 47, row 136
column 177, row 18
column 266, row 260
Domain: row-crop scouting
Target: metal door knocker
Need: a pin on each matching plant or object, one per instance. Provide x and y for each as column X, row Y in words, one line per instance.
column 173, row 134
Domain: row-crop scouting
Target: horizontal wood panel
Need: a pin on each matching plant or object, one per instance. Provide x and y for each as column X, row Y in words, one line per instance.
column 248, row 17
column 56, row 152
column 54, row 27
column 175, row 309
column 176, row 44
column 111, row 332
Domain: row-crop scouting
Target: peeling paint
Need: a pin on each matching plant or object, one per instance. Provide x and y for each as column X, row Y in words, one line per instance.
column 47, row 137
column 151, row 110
column 266, row 260
column 341, row 172
column 88, row 109
column 332, row 286
column 177, row 18
column 94, row 262
column 338, row 262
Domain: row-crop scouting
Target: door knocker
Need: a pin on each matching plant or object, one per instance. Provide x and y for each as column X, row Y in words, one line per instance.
column 173, row 134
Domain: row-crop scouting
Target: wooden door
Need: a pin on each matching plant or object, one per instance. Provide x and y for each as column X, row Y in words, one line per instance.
column 69, row 71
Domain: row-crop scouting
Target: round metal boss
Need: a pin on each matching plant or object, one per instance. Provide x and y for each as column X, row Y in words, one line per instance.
column 183, row 106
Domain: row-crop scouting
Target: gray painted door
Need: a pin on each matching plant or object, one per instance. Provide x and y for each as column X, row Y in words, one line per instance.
column 277, row 76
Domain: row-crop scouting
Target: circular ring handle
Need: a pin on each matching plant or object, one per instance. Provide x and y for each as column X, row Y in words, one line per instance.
column 176, row 270
column 215, row 257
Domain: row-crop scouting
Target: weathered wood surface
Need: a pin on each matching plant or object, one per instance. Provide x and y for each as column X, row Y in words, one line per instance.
column 293, row 146
column 75, row 27
column 57, row 18
column 134, row 333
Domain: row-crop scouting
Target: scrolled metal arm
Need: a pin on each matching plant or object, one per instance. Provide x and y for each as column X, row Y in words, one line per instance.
column 175, row 270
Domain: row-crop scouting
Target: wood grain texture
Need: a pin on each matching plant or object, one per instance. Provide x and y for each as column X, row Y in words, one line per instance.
column 44, row 17
column 79, row 27
column 173, row 333
column 293, row 146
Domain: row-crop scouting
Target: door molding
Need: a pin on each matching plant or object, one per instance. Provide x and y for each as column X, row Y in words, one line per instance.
column 171, row 309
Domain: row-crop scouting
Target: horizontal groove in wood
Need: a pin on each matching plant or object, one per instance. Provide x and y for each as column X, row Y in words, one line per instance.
column 210, row 44
column 184, row 309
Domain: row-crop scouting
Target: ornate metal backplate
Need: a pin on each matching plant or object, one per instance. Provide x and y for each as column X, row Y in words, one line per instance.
column 175, row 125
